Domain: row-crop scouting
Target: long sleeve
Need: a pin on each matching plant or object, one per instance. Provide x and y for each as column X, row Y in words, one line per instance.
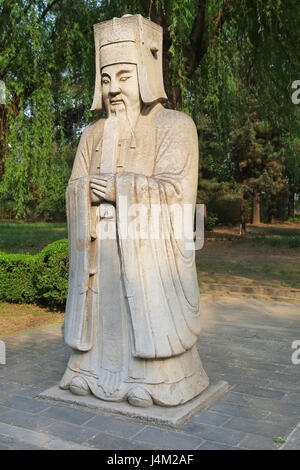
column 78, row 318
column 159, row 273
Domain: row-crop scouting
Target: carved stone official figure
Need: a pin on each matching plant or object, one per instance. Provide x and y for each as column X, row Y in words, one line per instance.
column 133, row 312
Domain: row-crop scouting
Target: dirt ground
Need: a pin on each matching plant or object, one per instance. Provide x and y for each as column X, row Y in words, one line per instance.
column 254, row 229
column 15, row 318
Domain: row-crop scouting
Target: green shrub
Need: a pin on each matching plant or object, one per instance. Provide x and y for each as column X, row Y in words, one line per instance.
column 41, row 278
column 51, row 276
column 17, row 273
column 226, row 208
column 211, row 222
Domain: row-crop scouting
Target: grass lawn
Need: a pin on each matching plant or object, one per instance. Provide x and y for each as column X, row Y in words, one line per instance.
column 266, row 257
column 285, row 234
column 15, row 318
column 22, row 237
column 270, row 256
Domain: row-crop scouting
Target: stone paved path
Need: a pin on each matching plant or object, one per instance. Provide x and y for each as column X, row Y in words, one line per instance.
column 246, row 342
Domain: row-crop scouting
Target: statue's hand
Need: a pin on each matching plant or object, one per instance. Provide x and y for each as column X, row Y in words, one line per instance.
column 95, row 199
column 104, row 187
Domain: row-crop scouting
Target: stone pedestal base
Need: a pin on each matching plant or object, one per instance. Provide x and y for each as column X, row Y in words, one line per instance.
column 173, row 417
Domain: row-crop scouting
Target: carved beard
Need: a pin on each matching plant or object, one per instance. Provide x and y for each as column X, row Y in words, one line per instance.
column 117, row 109
column 120, row 111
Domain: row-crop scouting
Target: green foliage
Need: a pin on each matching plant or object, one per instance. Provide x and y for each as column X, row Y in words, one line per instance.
column 25, row 237
column 222, row 201
column 210, row 222
column 17, row 272
column 257, row 157
column 290, row 242
column 291, row 145
column 227, row 209
column 51, row 277
column 279, row 440
column 41, row 278
column 47, row 63
column 224, row 62
column 35, row 173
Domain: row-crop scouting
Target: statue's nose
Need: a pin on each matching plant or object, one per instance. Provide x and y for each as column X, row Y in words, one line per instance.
column 114, row 89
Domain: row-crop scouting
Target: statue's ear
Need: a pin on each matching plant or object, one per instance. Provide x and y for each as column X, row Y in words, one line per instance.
column 150, row 61
column 154, row 49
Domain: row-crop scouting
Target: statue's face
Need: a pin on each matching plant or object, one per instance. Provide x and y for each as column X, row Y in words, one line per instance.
column 120, row 87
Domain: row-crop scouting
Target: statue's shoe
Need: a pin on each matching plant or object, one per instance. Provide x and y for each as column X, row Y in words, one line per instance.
column 138, row 396
column 79, row 386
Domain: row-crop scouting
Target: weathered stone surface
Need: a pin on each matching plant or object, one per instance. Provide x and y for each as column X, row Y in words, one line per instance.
column 260, row 320
column 25, row 438
column 133, row 309
column 293, row 440
column 171, row 416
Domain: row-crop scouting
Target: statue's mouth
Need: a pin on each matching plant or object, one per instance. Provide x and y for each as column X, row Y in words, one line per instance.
column 114, row 102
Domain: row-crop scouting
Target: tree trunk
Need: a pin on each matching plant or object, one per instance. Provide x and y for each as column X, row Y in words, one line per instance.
column 292, row 199
column 195, row 47
column 243, row 217
column 173, row 91
column 272, row 210
column 256, row 209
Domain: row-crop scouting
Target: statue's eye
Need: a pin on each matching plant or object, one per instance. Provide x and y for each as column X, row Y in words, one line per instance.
column 123, row 79
column 105, row 81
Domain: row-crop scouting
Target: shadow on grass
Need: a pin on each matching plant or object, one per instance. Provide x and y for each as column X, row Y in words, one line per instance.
column 24, row 237
column 276, row 236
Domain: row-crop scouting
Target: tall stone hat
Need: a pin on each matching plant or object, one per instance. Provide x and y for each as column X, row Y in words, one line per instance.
column 135, row 40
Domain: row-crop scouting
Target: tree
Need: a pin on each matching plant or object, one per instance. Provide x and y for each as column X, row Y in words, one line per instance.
column 47, row 65
column 291, row 146
column 218, row 54
column 258, row 162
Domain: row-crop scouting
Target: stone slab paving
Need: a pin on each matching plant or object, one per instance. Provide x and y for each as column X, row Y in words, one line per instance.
column 293, row 440
column 172, row 417
column 245, row 342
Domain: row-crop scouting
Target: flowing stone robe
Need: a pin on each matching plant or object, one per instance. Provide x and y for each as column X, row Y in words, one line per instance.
column 133, row 309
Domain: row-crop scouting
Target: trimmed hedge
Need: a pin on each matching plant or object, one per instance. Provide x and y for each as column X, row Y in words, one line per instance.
column 51, row 275
column 226, row 208
column 41, row 278
column 17, row 278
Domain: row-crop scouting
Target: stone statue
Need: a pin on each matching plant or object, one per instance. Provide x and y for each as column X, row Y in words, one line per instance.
column 133, row 312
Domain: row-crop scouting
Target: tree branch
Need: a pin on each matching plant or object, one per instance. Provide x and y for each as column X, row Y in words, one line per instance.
column 146, row 4
column 47, row 9
column 199, row 41
column 41, row 17
column 13, row 27
column 194, row 51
